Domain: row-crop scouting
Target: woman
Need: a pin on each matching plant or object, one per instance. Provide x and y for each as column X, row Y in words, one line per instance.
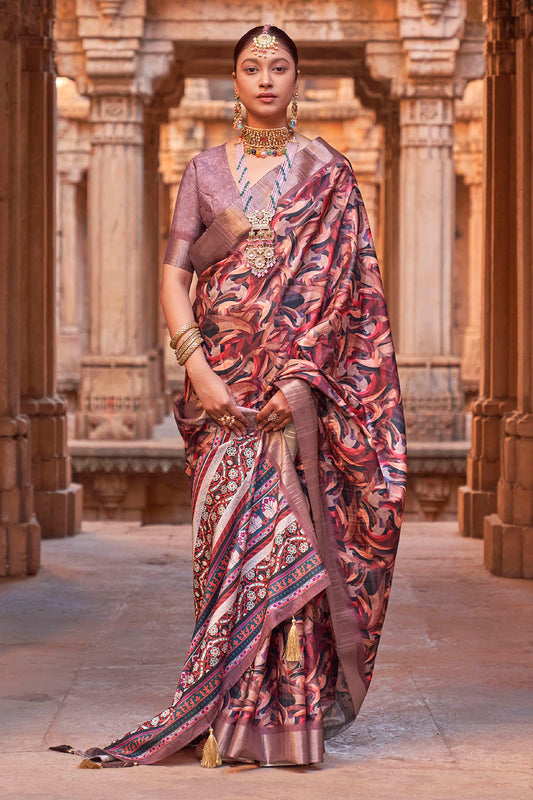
column 293, row 428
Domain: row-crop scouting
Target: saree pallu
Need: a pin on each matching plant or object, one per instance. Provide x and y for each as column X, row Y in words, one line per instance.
column 276, row 535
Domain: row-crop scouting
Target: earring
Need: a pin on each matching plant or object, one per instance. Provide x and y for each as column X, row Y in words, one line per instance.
column 293, row 122
column 237, row 113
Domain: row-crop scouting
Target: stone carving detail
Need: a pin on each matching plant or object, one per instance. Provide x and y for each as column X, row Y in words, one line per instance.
column 111, row 491
column 111, row 426
column 426, row 122
column 432, row 493
column 432, row 9
column 114, row 108
column 110, row 8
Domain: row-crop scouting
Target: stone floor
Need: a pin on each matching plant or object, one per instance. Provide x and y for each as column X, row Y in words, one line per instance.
column 92, row 645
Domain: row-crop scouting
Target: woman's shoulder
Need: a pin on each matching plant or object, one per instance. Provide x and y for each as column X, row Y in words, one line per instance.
column 209, row 158
column 327, row 153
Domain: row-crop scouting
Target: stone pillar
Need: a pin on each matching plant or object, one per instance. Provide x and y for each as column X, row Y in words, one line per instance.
column 36, row 495
column 120, row 389
column 20, row 532
column 508, row 534
column 152, row 182
column 390, row 212
column 477, row 498
column 73, row 148
column 425, row 73
column 468, row 156
column 57, row 501
column 430, row 371
column 72, row 280
column 472, row 334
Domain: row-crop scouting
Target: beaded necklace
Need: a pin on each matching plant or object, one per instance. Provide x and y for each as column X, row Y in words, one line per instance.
column 259, row 249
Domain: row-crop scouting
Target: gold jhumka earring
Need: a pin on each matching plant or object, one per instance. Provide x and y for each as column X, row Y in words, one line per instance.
column 237, row 113
column 293, row 122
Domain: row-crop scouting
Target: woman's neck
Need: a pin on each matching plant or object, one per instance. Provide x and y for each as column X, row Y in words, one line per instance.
column 266, row 124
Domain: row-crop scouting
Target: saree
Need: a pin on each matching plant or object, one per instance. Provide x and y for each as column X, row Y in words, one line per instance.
column 284, row 529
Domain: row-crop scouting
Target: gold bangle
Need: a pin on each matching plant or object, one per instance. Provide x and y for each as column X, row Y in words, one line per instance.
column 194, row 346
column 187, row 338
column 179, row 333
column 196, row 337
column 187, row 341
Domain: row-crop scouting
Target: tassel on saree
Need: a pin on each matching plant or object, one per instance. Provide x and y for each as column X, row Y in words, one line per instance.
column 211, row 754
column 86, row 763
column 293, row 651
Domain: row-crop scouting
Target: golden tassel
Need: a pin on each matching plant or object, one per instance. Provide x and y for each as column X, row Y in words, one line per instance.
column 211, row 754
column 292, row 650
column 88, row 764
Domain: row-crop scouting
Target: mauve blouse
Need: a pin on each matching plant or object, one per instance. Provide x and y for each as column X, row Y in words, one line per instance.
column 206, row 189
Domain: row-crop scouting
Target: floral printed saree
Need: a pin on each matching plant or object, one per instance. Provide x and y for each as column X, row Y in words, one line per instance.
column 283, row 528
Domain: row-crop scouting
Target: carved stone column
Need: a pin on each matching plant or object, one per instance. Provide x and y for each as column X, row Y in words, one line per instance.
column 152, row 181
column 57, row 501
column 73, row 147
column 472, row 334
column 71, row 277
column 390, row 212
column 20, row 532
column 431, row 373
column 509, row 533
column 498, row 340
column 119, row 396
column 36, row 494
column 127, row 69
column 468, row 156
column 426, row 70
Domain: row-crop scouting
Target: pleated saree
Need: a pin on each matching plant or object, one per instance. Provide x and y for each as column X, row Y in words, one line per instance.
column 301, row 524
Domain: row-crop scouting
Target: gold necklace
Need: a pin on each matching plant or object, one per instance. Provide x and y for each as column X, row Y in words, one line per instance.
column 263, row 142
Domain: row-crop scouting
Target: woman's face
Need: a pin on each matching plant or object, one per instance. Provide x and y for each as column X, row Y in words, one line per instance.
column 266, row 85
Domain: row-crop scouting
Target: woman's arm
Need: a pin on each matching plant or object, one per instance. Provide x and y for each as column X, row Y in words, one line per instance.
column 212, row 392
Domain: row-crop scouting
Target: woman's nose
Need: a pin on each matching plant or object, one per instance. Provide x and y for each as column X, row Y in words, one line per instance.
column 266, row 80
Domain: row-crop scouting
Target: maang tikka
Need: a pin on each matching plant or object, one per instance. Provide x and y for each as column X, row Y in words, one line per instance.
column 264, row 44
column 237, row 113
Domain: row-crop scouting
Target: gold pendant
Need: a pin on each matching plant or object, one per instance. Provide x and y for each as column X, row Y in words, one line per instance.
column 259, row 249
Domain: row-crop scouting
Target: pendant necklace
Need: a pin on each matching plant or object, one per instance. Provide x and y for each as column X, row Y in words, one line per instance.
column 259, row 249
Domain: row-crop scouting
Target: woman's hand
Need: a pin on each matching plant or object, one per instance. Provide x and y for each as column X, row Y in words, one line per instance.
column 218, row 401
column 279, row 412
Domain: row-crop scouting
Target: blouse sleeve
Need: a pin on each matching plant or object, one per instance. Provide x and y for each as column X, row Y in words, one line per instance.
column 187, row 225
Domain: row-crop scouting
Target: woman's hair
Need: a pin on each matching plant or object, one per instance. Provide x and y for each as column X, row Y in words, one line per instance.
column 283, row 39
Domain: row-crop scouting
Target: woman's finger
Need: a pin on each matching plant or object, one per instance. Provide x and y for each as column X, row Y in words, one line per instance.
column 274, row 421
column 279, row 412
column 231, row 419
column 241, row 423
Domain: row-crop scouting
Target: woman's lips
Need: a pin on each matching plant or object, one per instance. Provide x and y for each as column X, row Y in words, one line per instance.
column 266, row 97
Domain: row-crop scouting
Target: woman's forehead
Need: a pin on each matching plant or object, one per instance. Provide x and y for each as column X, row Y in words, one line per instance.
column 282, row 54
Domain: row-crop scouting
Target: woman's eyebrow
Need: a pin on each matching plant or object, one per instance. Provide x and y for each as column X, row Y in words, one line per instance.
column 256, row 60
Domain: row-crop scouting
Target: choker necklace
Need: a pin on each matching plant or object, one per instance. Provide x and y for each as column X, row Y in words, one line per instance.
column 263, row 142
column 259, row 249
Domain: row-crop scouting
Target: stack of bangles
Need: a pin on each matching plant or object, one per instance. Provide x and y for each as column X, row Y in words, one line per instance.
column 185, row 341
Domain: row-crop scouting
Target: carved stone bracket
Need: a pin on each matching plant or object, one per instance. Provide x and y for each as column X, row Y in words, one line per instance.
column 110, row 8
column 432, row 9
column 432, row 58
column 111, row 491
column 432, row 495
